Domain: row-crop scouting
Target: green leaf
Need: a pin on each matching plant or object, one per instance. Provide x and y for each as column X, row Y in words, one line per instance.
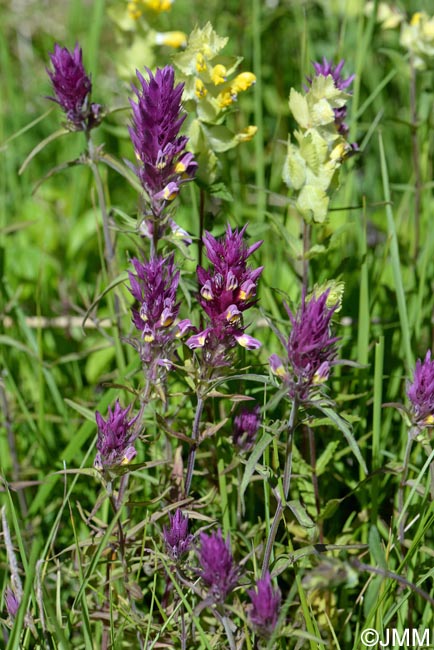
column 313, row 204
column 299, row 108
column 326, row 457
column 376, row 548
column 342, row 425
column 301, row 514
column 294, row 169
column 256, row 454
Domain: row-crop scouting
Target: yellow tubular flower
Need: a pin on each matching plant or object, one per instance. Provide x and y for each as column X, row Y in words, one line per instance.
column 243, row 81
column 226, row 98
column 247, row 134
column 200, row 89
column 218, row 74
column 200, row 62
column 158, row 5
column 133, row 10
column 172, row 39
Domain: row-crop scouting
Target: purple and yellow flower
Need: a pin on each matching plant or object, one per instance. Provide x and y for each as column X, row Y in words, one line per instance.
column 154, row 287
column 218, row 569
column 325, row 69
column 226, row 292
column 265, row 606
column 164, row 164
column 246, row 426
column 116, row 436
column 420, row 392
column 176, row 537
column 73, row 87
column 311, row 348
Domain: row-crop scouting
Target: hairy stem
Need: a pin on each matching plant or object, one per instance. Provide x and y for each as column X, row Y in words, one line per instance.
column 193, row 448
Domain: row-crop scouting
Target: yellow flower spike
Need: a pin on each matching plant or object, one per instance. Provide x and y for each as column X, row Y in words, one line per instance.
column 218, row 74
column 247, row 134
column 243, row 81
column 200, row 90
column 172, row 39
column 200, row 62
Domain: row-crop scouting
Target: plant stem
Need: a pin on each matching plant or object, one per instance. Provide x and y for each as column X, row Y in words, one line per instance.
column 226, row 624
column 415, row 158
column 109, row 250
column 402, row 486
column 286, row 485
column 193, row 448
column 312, row 453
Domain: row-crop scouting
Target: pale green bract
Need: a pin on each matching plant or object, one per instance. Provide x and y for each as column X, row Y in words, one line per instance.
column 313, row 161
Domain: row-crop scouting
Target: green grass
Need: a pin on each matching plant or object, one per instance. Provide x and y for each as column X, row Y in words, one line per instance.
column 338, row 557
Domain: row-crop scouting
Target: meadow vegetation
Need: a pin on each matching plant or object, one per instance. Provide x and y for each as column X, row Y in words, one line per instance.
column 216, row 324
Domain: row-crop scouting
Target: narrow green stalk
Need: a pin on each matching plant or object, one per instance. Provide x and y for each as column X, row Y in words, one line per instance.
column 223, row 495
column 258, row 96
column 286, row 485
column 395, row 261
column 376, row 424
column 415, row 152
column 193, row 448
column 401, row 489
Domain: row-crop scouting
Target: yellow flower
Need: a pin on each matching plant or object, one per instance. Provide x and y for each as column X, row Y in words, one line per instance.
column 133, row 10
column 218, row 74
column 158, row 5
column 242, row 82
column 172, row 39
column 200, row 62
column 226, row 98
column 247, row 134
column 200, row 89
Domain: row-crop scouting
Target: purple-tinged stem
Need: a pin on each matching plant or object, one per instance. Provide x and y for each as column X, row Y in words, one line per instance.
column 193, row 448
column 286, row 485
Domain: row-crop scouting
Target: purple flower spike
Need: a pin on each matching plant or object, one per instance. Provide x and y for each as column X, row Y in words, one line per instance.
column 176, row 537
column 265, row 606
column 115, row 438
column 73, row 88
column 226, row 293
column 327, row 68
column 246, row 426
column 219, row 571
column 421, row 392
column 311, row 348
column 157, row 119
column 12, row 603
column 154, row 287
